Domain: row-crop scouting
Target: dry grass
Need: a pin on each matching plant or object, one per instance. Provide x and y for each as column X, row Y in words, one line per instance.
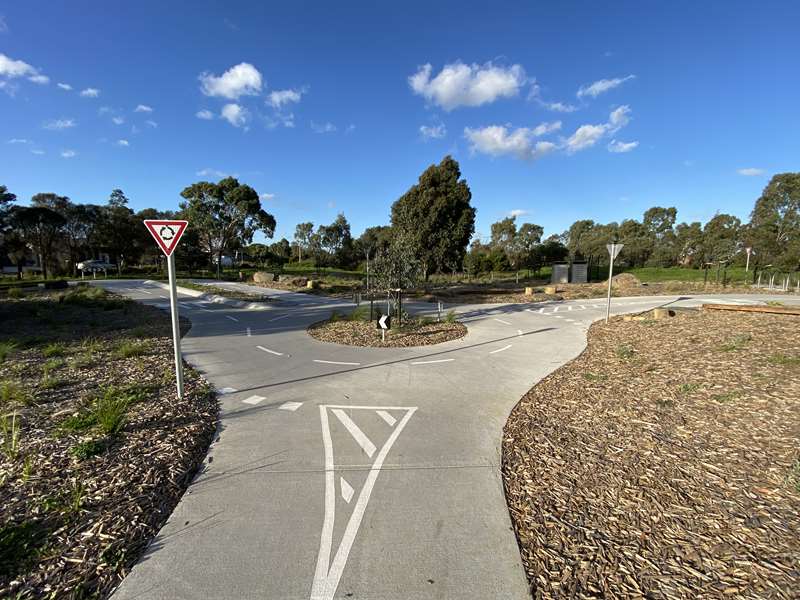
column 665, row 470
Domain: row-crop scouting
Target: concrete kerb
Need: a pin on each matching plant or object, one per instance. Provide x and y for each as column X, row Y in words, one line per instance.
column 216, row 299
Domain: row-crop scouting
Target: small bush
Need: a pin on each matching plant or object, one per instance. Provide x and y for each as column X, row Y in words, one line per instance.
column 110, row 412
column 130, row 349
column 450, row 317
column 91, row 345
column 79, row 422
column 426, row 321
column 52, row 350
column 361, row 313
column 13, row 394
column 334, row 317
column 87, row 449
column 16, row 293
column 624, row 352
column 7, row 348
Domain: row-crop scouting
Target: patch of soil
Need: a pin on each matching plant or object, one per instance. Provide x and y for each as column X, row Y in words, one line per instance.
column 664, row 462
column 83, row 494
column 364, row 333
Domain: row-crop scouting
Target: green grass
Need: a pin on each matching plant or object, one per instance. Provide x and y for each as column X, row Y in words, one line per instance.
column 594, row 376
column 7, row 348
column 784, row 360
column 737, row 342
column 726, row 396
column 129, row 349
column 107, row 412
column 624, row 352
column 87, row 449
column 687, row 388
column 20, row 544
column 11, row 428
column 54, row 349
column 662, row 274
column 16, row 293
column 450, row 317
column 774, row 303
column 361, row 313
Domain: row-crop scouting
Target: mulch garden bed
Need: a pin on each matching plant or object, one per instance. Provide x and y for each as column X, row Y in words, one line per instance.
column 365, row 333
column 664, row 462
column 96, row 448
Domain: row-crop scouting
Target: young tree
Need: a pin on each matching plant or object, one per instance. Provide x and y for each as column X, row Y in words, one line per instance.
column 435, row 217
column 397, row 267
column 337, row 241
column 302, row 236
column 225, row 214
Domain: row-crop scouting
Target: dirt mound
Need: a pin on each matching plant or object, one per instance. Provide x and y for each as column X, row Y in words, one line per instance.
column 626, row 280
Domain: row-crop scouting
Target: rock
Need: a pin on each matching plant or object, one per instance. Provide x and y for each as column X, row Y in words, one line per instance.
column 263, row 277
column 312, row 284
column 551, row 290
column 529, row 291
column 663, row 313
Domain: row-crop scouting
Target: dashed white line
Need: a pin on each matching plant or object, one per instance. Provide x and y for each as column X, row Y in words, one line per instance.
column 249, row 333
column 559, row 317
column 146, row 292
column 280, row 317
column 555, row 310
column 519, row 331
column 254, row 400
column 231, row 318
column 500, row 349
column 335, row 362
column 541, row 310
column 228, row 390
column 570, row 320
column 270, row 351
column 430, row 362
column 291, row 406
column 503, row 322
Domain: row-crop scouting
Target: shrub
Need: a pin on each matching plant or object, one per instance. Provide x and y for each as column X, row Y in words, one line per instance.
column 109, row 411
column 7, row 349
column 12, row 393
column 129, row 349
column 87, row 449
column 450, row 317
column 52, row 350
column 361, row 313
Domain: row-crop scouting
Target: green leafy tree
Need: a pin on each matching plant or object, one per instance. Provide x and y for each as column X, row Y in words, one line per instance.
column 302, row 237
column 337, row 241
column 118, row 231
column 721, row 238
column 689, row 244
column 774, row 230
column 435, row 217
column 226, row 215
column 40, row 227
column 397, row 267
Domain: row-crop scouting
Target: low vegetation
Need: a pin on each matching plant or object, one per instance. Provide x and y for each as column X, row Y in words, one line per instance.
column 663, row 462
column 96, row 447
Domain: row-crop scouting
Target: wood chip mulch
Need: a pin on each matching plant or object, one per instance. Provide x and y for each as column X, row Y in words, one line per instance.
column 664, row 462
column 361, row 333
column 73, row 527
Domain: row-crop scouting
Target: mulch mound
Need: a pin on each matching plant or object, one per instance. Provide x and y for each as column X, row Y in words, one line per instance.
column 362, row 333
column 664, row 462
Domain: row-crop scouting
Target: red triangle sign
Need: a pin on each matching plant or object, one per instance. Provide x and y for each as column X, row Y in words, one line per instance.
column 166, row 233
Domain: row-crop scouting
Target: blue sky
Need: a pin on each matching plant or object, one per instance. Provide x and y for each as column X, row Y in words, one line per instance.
column 557, row 111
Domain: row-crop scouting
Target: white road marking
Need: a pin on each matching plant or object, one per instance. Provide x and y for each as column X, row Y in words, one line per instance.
column 555, row 310
column 559, row 317
column 164, row 297
column 347, row 490
column 279, row 317
column 146, row 292
column 430, row 362
column 254, row 399
column 366, row 444
column 334, row 362
column 595, row 305
column 231, row 318
column 327, row 573
column 570, row 320
column 582, row 307
column 249, row 333
column 228, row 390
column 569, row 307
column 270, row 351
column 503, row 322
column 500, row 349
column 519, row 331
column 541, row 310
column 390, row 420
column 292, row 406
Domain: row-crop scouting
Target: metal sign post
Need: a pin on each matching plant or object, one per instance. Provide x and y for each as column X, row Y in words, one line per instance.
column 613, row 250
column 749, row 251
column 167, row 234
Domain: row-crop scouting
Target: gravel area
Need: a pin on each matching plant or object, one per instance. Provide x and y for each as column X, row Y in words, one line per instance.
column 364, row 333
column 96, row 447
column 664, row 462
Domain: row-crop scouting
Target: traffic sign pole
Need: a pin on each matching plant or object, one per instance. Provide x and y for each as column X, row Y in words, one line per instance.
column 176, row 324
column 613, row 250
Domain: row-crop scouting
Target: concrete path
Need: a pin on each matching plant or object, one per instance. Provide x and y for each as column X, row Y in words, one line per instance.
column 364, row 473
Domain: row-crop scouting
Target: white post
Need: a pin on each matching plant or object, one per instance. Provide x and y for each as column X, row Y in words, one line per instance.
column 610, row 274
column 747, row 264
column 176, row 327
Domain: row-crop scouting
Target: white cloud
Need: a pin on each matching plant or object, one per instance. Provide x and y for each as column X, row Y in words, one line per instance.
column 750, row 172
column 11, row 68
column 204, row 114
column 90, row 93
column 619, row 147
column 517, row 212
column 545, row 128
column 350, row 128
column 559, row 107
column 266, row 196
column 497, row 140
column 585, row 136
column 68, row 153
column 601, row 86
column 123, row 143
column 211, row 173
column 241, row 80
column 37, row 151
column 278, row 98
column 143, row 108
column 151, row 123
column 103, row 110
column 619, row 117
column 65, row 86
column 433, row 132
column 117, row 120
column 458, row 84
column 59, row 124
column 17, row 141
column 235, row 114
column 323, row 127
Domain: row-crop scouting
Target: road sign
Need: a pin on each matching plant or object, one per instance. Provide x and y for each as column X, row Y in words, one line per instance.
column 384, row 322
column 614, row 250
column 166, row 233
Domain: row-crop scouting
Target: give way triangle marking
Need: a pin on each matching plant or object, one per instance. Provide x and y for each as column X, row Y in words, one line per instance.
column 329, row 572
column 167, row 234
